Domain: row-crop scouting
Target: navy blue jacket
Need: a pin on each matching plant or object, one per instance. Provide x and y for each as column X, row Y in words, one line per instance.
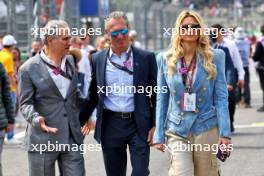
column 229, row 66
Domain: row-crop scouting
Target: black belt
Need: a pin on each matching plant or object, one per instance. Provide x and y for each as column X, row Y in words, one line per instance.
column 123, row 115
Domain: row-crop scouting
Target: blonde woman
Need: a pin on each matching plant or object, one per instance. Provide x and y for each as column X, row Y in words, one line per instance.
column 193, row 113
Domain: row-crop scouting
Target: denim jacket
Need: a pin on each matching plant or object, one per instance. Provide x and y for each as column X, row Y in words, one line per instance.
column 211, row 101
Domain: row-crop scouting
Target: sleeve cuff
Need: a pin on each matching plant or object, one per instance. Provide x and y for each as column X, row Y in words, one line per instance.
column 225, row 135
column 241, row 75
column 35, row 121
column 159, row 140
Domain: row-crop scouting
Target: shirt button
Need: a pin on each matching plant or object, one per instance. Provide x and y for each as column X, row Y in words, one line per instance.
column 178, row 102
column 199, row 99
column 204, row 89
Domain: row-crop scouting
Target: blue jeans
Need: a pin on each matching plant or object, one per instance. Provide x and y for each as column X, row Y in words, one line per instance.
column 2, row 137
column 11, row 133
column 14, row 98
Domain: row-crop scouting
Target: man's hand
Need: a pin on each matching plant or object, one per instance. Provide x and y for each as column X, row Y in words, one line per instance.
column 160, row 147
column 46, row 128
column 240, row 84
column 9, row 127
column 88, row 126
column 150, row 136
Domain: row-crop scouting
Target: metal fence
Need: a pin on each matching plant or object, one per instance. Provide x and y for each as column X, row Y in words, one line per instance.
column 18, row 17
column 152, row 19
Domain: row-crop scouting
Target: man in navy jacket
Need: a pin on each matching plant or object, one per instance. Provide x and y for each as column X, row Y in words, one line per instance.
column 124, row 117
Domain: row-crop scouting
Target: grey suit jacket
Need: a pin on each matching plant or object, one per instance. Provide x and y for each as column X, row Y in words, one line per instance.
column 40, row 96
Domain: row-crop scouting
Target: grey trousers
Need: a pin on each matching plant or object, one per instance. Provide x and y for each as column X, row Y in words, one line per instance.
column 2, row 138
column 70, row 163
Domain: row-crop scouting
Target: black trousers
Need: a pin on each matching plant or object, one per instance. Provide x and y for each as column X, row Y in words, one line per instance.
column 232, row 105
column 117, row 134
column 246, row 91
column 232, row 99
column 261, row 80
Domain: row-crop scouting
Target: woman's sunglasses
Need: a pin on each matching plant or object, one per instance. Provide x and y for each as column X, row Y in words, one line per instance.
column 192, row 26
column 122, row 31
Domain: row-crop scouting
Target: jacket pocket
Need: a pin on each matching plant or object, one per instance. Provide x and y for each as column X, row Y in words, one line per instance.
column 174, row 117
column 207, row 115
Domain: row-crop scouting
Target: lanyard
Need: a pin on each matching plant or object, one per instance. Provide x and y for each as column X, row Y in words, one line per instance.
column 216, row 46
column 123, row 67
column 185, row 76
column 58, row 70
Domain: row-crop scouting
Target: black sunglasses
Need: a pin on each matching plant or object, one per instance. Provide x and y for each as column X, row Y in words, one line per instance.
column 193, row 26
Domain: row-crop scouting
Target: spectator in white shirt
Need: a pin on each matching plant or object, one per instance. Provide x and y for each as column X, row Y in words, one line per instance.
column 84, row 67
column 237, row 61
column 86, row 44
column 84, row 64
column 231, row 45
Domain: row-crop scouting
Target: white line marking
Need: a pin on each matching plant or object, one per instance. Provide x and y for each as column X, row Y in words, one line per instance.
column 252, row 125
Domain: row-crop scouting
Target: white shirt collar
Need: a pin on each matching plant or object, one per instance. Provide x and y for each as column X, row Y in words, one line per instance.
column 47, row 59
column 111, row 52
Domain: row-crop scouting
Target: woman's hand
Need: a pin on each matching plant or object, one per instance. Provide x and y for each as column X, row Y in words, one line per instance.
column 225, row 145
column 160, row 146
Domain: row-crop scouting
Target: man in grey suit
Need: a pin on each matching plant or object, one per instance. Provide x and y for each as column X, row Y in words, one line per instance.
column 48, row 98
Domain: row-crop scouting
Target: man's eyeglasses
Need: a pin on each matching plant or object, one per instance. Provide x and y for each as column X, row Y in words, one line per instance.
column 193, row 26
column 122, row 31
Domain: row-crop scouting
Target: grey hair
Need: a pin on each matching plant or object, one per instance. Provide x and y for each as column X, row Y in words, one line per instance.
column 51, row 30
column 116, row 15
column 133, row 33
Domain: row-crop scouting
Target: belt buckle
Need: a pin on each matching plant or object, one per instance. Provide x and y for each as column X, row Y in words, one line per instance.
column 125, row 117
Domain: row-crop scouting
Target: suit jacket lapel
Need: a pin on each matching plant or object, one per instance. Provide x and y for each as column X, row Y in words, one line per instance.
column 201, row 75
column 74, row 80
column 101, row 67
column 73, row 84
column 136, row 65
column 178, row 80
column 45, row 73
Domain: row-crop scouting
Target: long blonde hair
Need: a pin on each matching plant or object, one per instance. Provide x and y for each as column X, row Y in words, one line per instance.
column 176, row 51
